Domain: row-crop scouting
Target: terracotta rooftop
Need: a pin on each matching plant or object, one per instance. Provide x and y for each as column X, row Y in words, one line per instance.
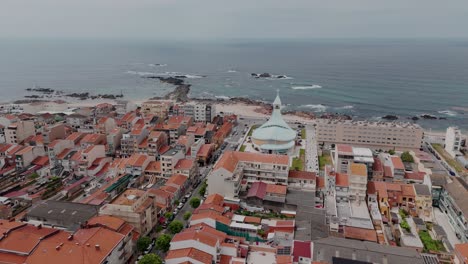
column 462, row 250
column 87, row 246
column 211, row 215
column 358, row 169
column 276, row 189
column 398, row 163
column 215, row 199
column 230, row 159
column 191, row 253
column 41, row 161
column 205, row 150
column 128, row 197
column 110, row 222
column 344, row 149
column 305, row 175
column 196, row 235
column 184, row 164
column 24, row 239
column 137, row 160
column 360, row 233
column 342, row 180
column 154, row 166
column 177, row 179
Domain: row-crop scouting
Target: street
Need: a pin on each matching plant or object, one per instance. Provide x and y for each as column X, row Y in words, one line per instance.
column 311, row 150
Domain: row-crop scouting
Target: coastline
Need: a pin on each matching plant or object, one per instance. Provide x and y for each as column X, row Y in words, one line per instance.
column 240, row 106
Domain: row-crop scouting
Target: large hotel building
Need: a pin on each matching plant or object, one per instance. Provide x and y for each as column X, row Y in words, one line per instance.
column 364, row 133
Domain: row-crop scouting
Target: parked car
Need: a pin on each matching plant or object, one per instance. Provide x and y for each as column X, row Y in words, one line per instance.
column 180, row 206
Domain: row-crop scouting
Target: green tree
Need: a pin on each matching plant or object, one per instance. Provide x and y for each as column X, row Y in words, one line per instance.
column 163, row 242
column 150, row 259
column 202, row 190
column 406, row 157
column 195, row 202
column 143, row 243
column 391, row 152
column 168, row 215
column 187, row 215
column 175, row 226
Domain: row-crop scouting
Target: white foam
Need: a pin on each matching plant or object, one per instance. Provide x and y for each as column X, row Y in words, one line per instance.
column 140, row 73
column 448, row 112
column 275, row 77
column 231, row 71
column 316, row 107
column 222, row 97
column 346, row 107
column 307, row 87
column 192, row 76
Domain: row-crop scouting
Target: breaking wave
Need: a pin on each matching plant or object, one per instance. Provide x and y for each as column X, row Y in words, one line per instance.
column 316, row 107
column 448, row 112
column 307, row 87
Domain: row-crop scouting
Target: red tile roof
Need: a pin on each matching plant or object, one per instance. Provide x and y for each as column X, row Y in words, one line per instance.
column 184, row 164
column 342, row 180
column 398, row 163
column 303, row 175
column 301, row 249
column 190, row 253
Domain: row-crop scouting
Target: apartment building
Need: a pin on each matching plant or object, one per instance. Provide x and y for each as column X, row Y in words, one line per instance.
column 25, row 156
column 386, row 135
column 169, row 160
column 114, row 138
column 454, row 202
column 136, row 207
column 104, row 125
column 201, row 112
column 17, row 132
column 56, row 147
column 137, row 163
column 344, row 155
column 88, row 156
column 453, row 141
column 236, row 170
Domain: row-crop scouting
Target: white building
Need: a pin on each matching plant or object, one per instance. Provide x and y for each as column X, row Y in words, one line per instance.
column 453, row 140
column 201, row 112
column 387, row 135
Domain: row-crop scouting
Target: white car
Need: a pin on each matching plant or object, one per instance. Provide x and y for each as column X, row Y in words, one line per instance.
column 180, row 206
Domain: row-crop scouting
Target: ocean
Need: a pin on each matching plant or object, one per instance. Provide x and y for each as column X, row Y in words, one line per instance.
column 363, row 78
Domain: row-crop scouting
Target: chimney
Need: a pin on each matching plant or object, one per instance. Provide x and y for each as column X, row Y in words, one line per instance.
column 70, row 237
column 39, row 226
column 57, row 248
column 97, row 247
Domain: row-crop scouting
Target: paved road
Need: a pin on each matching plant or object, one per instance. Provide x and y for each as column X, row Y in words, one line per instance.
column 312, row 163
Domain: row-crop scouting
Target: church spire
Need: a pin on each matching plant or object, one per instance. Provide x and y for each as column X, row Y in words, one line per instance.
column 277, row 102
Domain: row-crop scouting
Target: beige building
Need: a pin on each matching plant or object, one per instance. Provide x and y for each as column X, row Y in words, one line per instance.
column 136, row 207
column 17, row 132
column 378, row 134
column 236, row 170
column 159, row 108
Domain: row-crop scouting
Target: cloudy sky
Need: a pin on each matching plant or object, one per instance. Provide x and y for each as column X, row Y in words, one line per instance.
column 225, row 19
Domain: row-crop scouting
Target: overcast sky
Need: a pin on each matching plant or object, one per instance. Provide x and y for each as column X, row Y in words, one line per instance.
column 225, row 19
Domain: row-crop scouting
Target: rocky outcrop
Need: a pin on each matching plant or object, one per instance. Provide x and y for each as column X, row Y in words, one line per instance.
column 390, row 117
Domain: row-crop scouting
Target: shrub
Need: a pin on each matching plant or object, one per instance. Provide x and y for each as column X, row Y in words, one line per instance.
column 406, row 157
